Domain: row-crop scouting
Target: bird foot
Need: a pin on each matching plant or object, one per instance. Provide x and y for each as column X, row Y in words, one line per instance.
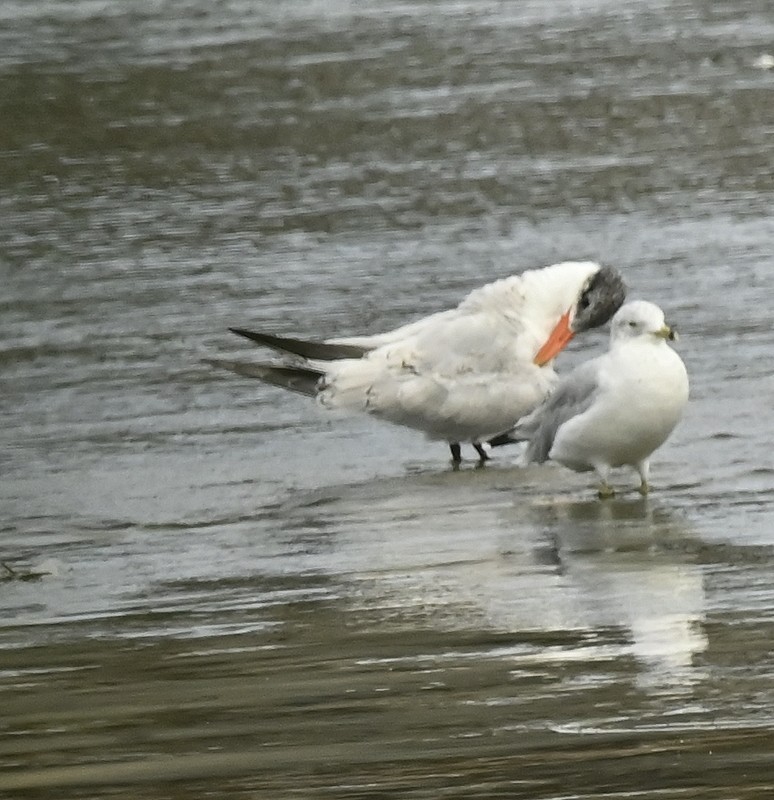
column 644, row 488
column 483, row 456
column 606, row 491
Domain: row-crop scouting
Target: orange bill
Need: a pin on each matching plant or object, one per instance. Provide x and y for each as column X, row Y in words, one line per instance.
column 559, row 339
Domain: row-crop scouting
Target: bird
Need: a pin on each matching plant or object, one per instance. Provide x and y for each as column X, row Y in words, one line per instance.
column 614, row 410
column 460, row 375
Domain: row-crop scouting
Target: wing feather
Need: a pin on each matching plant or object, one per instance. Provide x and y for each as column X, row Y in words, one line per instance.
column 572, row 396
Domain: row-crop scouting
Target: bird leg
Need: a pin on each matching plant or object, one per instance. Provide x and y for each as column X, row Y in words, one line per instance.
column 456, row 453
column 643, row 468
column 483, row 456
column 605, row 491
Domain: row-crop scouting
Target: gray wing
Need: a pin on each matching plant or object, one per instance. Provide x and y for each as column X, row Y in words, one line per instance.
column 572, row 396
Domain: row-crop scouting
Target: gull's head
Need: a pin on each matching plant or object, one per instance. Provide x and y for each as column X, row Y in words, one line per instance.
column 600, row 296
column 640, row 319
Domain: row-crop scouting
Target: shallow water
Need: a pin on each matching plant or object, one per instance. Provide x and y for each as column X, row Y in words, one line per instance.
column 213, row 589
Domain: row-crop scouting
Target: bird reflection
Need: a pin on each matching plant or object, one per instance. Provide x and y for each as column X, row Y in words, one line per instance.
column 663, row 608
column 614, row 572
column 620, row 567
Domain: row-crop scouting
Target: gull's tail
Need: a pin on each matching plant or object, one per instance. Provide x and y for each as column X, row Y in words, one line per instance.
column 303, row 380
column 318, row 351
column 504, row 438
column 523, row 431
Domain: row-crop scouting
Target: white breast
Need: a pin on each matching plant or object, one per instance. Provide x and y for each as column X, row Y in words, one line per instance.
column 643, row 390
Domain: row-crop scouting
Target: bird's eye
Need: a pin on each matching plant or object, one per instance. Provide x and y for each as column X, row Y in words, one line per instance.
column 584, row 302
column 632, row 324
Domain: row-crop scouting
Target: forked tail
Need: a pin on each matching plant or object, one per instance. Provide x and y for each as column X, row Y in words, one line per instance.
column 303, row 380
column 320, row 351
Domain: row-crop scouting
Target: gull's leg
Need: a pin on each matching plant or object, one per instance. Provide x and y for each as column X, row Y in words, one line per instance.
column 643, row 468
column 605, row 489
column 483, row 456
column 456, row 452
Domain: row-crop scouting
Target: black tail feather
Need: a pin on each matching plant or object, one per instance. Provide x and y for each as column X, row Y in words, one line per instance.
column 321, row 351
column 503, row 439
column 302, row 380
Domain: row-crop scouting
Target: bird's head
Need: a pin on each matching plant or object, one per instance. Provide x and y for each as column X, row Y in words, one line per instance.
column 599, row 298
column 641, row 318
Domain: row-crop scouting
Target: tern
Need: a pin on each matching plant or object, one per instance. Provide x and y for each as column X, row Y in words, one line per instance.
column 614, row 410
column 461, row 375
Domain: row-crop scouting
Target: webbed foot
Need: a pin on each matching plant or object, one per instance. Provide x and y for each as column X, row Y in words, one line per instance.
column 605, row 491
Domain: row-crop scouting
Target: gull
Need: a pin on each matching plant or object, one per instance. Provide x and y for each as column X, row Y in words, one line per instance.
column 614, row 410
column 460, row 375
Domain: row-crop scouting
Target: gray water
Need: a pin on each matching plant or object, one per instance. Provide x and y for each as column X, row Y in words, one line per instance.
column 212, row 589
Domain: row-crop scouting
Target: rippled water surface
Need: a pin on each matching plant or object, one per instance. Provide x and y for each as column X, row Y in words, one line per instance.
column 211, row 589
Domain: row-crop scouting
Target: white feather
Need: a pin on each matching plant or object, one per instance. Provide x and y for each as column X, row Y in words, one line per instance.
column 615, row 410
column 464, row 374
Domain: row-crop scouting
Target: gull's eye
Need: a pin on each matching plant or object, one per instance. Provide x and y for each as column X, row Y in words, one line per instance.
column 584, row 302
column 632, row 324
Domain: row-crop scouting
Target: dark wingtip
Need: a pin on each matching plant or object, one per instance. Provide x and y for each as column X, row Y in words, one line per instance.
column 322, row 351
column 242, row 332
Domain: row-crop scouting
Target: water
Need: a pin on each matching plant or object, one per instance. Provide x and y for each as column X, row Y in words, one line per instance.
column 212, row 589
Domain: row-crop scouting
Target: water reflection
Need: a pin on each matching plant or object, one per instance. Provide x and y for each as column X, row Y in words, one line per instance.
column 618, row 572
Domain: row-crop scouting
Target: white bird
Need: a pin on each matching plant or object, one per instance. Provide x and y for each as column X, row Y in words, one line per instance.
column 461, row 375
column 615, row 410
